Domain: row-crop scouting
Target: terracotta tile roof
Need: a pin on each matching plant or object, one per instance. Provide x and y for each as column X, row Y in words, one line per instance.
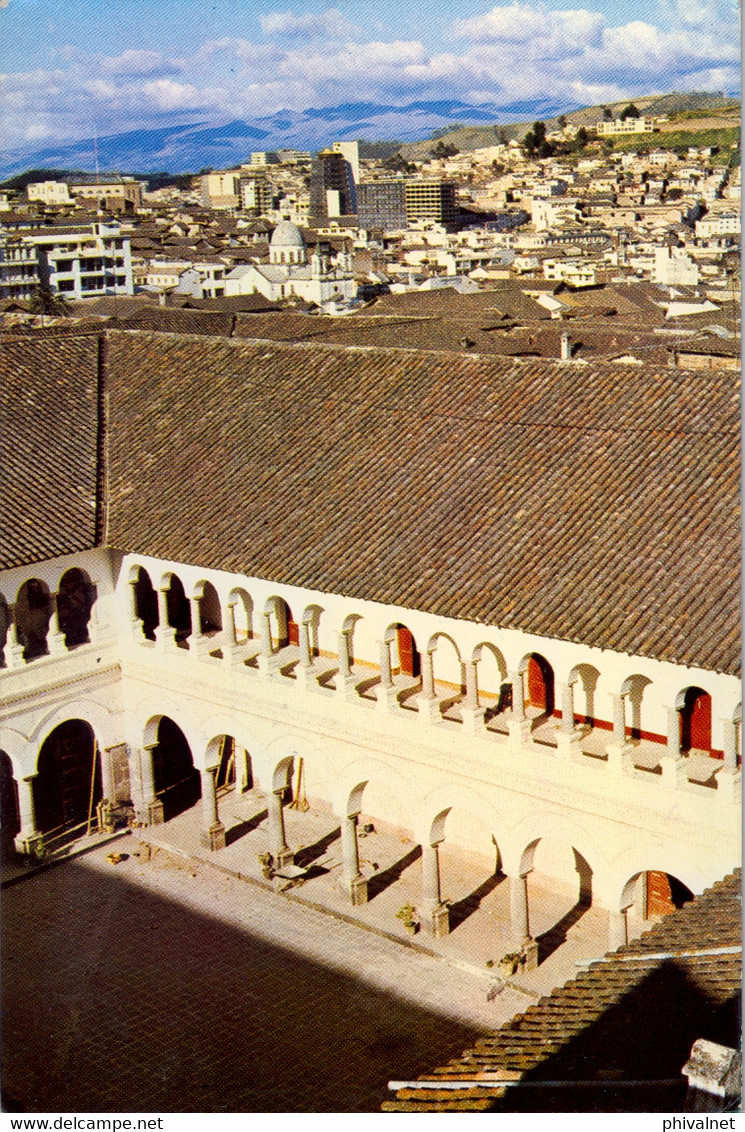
column 632, row 1016
column 49, row 426
column 595, row 504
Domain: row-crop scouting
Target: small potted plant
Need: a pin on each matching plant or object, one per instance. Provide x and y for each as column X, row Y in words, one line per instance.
column 509, row 963
column 409, row 917
column 266, row 860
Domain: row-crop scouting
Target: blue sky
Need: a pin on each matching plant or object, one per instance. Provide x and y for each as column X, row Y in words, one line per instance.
column 69, row 66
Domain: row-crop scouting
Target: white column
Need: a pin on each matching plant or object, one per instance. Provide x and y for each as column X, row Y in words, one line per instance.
column 518, row 695
column 618, row 929
column 29, row 836
column 13, row 647
column 519, row 911
column 195, row 637
column 386, row 679
column 619, row 720
column 428, row 675
column 471, row 712
column 673, row 733
column 165, row 634
column 213, row 831
column 266, row 650
column 730, row 744
column 279, row 848
column 567, row 707
column 436, row 914
column 55, row 636
column 345, row 669
column 152, row 807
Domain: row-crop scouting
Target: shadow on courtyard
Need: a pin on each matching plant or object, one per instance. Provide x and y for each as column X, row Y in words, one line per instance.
column 118, row 999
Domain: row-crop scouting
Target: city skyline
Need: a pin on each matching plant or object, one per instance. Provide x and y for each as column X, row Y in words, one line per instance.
column 73, row 68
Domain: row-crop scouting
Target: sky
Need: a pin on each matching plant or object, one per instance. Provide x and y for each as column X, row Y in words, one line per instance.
column 72, row 67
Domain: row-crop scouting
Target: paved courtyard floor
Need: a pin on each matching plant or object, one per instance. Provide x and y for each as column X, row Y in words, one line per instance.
column 178, row 980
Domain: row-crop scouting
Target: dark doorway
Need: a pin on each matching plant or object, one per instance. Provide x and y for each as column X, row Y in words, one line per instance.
column 695, row 720
column 74, row 603
column 68, row 785
column 177, row 781
column 146, row 604
column 408, row 654
column 540, row 684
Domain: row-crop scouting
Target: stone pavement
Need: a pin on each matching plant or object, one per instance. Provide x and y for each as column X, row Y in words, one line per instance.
column 480, row 901
column 164, row 985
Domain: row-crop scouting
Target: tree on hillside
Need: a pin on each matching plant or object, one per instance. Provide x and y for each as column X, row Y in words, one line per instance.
column 607, row 113
column 535, row 142
column 444, row 149
column 398, row 164
column 581, row 138
column 630, row 111
column 562, row 121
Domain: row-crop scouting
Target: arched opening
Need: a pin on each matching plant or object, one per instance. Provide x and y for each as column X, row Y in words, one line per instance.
column 33, row 613
column 146, row 604
column 284, row 627
column 387, row 847
column 695, row 720
column 178, row 609
column 584, row 680
column 68, row 786
column 226, row 766
column 632, row 690
column 176, row 779
column 652, row 894
column 10, row 820
column 210, row 611
column 470, row 871
column 539, row 684
column 4, row 626
column 405, row 657
column 560, row 888
column 448, row 672
column 495, row 694
column 242, row 607
column 75, row 599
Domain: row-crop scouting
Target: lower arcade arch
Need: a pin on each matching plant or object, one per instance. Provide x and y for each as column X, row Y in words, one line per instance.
column 654, row 893
column 559, row 888
column 176, row 780
column 10, row 820
column 67, row 787
column 75, row 598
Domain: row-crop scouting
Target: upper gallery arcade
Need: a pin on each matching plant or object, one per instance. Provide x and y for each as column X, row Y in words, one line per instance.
column 490, row 602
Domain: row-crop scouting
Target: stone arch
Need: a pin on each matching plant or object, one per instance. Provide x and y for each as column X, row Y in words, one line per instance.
column 98, row 717
column 405, row 657
column 241, row 604
column 587, row 676
column 382, row 792
column 346, row 643
column 449, row 668
column 311, row 617
column 210, row 609
column 538, row 683
column 633, row 689
column 33, row 612
column 5, row 620
column 10, row 811
column 232, row 761
column 176, row 779
column 178, row 607
column 145, row 600
column 354, row 801
column 693, row 705
column 68, row 783
column 282, row 774
column 653, row 892
column 75, row 597
column 282, row 626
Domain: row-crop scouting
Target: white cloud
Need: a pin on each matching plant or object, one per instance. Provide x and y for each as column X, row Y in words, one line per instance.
column 140, row 63
column 169, row 95
column 331, row 24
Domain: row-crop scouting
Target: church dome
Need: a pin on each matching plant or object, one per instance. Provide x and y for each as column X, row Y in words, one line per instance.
column 287, row 235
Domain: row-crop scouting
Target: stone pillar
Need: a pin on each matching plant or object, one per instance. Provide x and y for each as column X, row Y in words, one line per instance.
column 105, row 808
column 306, row 659
column 13, row 647
column 350, row 860
column 29, row 837
column 471, row 711
column 567, row 708
column 213, row 831
column 436, row 914
column 165, row 634
column 195, row 637
column 152, row 807
column 520, row 921
column 427, row 702
column 730, row 744
column 618, row 929
column 518, row 695
column 266, row 649
column 345, row 669
column 55, row 636
column 278, row 846
column 673, row 733
column 386, row 694
column 619, row 720
column 241, row 769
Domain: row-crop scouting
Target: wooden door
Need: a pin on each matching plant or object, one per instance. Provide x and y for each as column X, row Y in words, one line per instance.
column 695, row 721
column 659, row 896
column 408, row 655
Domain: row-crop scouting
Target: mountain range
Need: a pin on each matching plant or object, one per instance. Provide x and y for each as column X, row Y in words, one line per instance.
column 221, row 144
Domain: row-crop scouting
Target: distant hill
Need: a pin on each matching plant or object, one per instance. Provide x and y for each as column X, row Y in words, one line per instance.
column 219, row 145
column 196, row 145
column 469, row 138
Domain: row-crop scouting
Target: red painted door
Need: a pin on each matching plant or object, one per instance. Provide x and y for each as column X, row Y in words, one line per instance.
column 293, row 633
column 659, row 896
column 695, row 721
column 536, row 685
column 408, row 655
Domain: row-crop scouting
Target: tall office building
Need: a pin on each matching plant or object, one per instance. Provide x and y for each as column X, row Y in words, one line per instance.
column 431, row 200
column 331, row 187
column 382, row 204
